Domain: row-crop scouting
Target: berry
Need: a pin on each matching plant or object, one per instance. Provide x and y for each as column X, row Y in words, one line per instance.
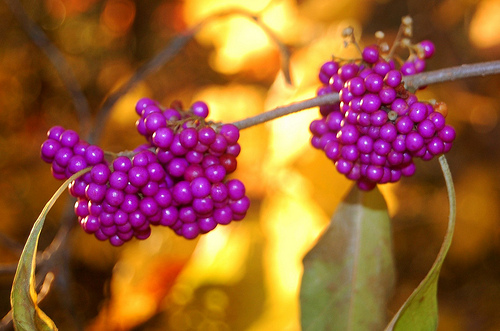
column 377, row 127
column 199, row 108
column 370, row 54
column 428, row 48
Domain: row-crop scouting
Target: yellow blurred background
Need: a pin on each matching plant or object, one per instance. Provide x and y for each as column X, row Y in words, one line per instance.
column 245, row 276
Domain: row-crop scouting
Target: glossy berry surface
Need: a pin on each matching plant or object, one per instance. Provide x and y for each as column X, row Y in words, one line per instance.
column 377, row 128
column 177, row 179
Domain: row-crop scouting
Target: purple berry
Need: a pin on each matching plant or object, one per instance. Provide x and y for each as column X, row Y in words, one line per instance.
column 387, row 95
column 200, row 187
column 55, row 132
column 365, row 144
column 118, row 180
column 374, row 173
column 199, row 108
column 69, row 138
column 49, row 149
column 414, row 141
column 230, row 132
column 181, row 192
column 219, row 192
column 447, row 134
column 194, row 156
column 374, row 83
column 215, row 173
column 76, row 163
column 329, row 69
column 348, row 134
column 393, row 78
column 177, row 167
column 356, row 86
column 206, row 224
column 343, row 166
column 408, row 170
column 426, row 128
column 176, row 147
column 206, row 135
column 381, row 147
column 171, row 114
column 148, row 206
column 404, row 124
column 349, row 153
column 163, row 137
column 223, row 215
column 100, row 173
column 219, row 145
column 138, row 176
column 190, row 230
column 236, row 189
column 122, row 163
column 142, row 104
column 348, row 71
column 378, row 118
column 438, row 120
column 63, row 155
column 240, row 206
column 90, row 224
column 435, row 146
column 408, row 68
column 95, row 192
column 388, row 132
column 81, row 208
column 169, row 216
column 370, row 103
column 137, row 219
column 370, row 54
column 417, row 112
column 188, row 138
column 381, row 68
column 399, row 106
column 428, row 48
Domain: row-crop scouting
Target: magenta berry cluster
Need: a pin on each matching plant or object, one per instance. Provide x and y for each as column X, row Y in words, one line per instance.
column 177, row 179
column 378, row 127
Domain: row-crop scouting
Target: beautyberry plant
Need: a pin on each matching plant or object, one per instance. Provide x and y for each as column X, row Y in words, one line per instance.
column 378, row 126
column 177, row 179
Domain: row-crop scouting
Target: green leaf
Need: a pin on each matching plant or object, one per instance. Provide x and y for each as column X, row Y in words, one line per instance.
column 420, row 311
column 26, row 314
column 349, row 274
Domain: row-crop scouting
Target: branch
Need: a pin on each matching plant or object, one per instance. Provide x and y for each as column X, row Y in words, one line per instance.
column 416, row 81
column 58, row 61
column 286, row 110
column 454, row 73
column 171, row 50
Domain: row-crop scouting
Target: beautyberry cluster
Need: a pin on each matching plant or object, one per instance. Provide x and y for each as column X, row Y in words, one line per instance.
column 378, row 127
column 178, row 179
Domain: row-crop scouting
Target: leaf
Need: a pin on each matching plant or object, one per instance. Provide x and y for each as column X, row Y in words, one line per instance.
column 420, row 311
column 349, row 274
column 26, row 314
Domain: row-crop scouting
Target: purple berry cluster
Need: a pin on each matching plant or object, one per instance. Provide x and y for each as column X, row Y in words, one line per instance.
column 376, row 129
column 177, row 179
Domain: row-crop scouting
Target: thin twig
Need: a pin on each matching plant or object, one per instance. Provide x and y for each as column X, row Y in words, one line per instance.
column 171, row 50
column 453, row 73
column 288, row 109
column 416, row 81
column 58, row 61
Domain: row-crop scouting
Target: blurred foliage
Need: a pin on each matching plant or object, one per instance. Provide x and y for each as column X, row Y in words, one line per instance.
column 245, row 276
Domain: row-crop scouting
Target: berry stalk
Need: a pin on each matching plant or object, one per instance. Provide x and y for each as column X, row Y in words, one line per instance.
column 428, row 78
